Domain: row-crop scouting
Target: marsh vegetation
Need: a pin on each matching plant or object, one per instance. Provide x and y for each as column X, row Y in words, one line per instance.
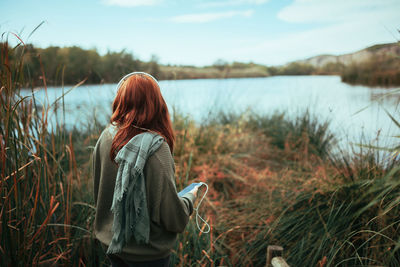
column 273, row 180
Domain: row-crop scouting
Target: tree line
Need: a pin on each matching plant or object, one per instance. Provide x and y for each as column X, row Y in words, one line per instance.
column 71, row 65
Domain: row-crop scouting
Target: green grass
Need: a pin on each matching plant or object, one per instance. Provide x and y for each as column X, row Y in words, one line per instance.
column 352, row 225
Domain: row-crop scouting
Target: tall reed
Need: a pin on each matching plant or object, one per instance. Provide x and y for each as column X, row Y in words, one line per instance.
column 42, row 219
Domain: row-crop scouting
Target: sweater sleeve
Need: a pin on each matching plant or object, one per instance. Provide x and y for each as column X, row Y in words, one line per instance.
column 167, row 208
column 175, row 210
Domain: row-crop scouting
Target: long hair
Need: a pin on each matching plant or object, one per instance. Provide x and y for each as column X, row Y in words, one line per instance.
column 137, row 107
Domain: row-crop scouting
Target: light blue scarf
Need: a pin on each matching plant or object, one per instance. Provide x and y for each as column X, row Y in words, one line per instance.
column 129, row 203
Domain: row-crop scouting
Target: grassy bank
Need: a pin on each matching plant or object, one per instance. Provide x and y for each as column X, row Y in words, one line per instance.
column 273, row 180
column 381, row 70
column 225, row 70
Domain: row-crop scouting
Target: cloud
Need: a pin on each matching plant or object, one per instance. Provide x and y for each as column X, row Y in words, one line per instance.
column 207, row 17
column 132, row 3
column 332, row 39
column 335, row 27
column 339, row 10
column 232, row 3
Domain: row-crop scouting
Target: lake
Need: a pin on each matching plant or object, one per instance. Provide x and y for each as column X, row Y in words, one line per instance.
column 354, row 111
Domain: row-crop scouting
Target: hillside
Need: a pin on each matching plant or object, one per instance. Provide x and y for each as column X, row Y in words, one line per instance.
column 380, row 50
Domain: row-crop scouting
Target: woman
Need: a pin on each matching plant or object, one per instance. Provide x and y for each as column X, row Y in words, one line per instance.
column 138, row 211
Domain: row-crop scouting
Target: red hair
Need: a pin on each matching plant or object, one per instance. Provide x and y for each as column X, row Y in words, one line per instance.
column 139, row 103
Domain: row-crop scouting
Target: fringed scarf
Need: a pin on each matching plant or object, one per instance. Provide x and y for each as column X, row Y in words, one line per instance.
column 129, row 203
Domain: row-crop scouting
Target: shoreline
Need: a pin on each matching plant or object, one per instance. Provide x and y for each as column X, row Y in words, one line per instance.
column 222, row 78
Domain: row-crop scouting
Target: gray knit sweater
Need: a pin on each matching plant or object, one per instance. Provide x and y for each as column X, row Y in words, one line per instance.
column 168, row 213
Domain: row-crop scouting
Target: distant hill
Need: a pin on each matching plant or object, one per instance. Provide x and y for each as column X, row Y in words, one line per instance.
column 377, row 65
column 380, row 50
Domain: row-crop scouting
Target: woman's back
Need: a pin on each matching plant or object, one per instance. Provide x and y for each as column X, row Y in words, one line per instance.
column 168, row 213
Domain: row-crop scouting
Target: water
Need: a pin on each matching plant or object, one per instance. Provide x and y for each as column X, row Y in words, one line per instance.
column 354, row 111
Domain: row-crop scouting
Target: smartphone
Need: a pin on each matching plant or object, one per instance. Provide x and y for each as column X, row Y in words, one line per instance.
column 188, row 188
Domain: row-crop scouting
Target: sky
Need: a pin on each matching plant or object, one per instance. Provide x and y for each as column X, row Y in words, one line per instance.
column 200, row 32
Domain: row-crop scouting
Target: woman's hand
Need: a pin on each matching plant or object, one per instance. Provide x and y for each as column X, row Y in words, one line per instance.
column 194, row 191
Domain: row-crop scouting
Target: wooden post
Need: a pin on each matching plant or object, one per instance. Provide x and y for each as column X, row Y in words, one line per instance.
column 278, row 262
column 273, row 251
